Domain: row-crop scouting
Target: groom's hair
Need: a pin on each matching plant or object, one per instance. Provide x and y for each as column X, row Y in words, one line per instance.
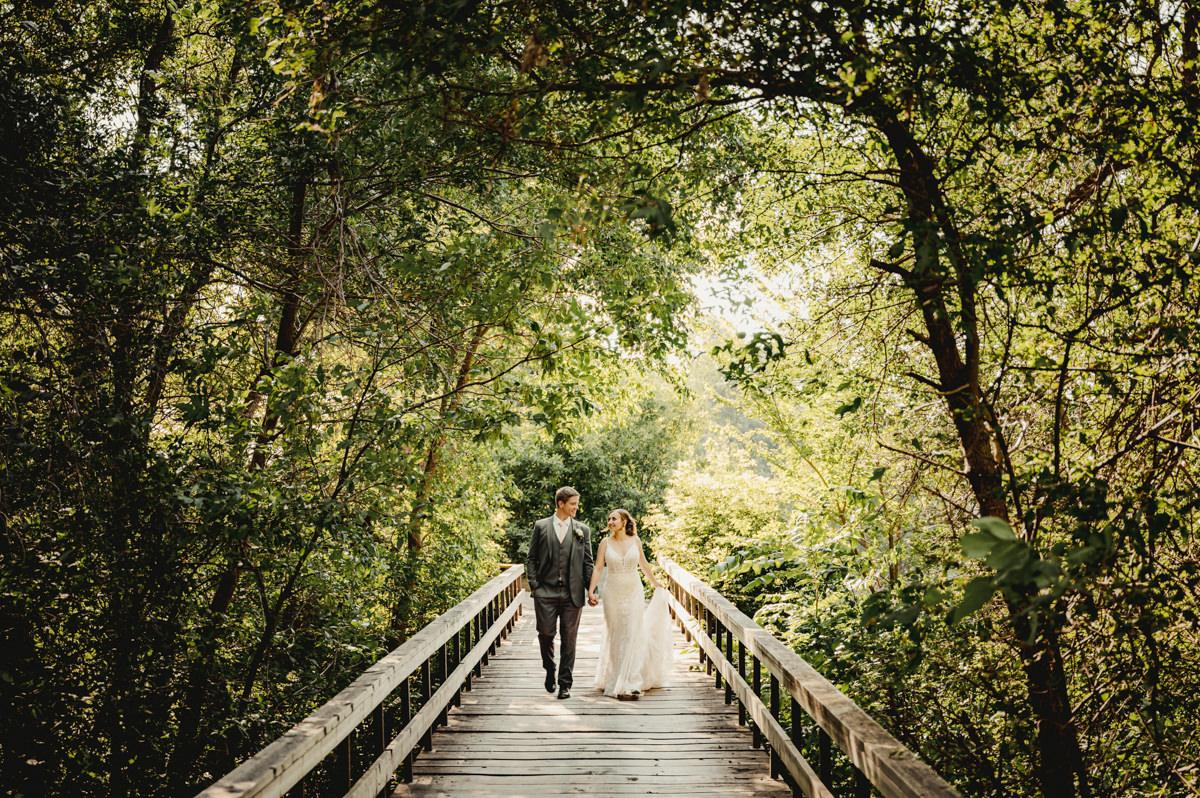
column 564, row 494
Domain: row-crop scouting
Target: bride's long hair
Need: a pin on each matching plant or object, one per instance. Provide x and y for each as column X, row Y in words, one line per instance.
column 630, row 524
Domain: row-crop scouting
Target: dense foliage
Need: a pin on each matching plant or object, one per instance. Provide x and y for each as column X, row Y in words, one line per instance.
column 258, row 344
column 305, row 309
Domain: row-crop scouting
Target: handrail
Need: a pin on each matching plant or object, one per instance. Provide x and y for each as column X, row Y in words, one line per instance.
column 485, row 616
column 882, row 759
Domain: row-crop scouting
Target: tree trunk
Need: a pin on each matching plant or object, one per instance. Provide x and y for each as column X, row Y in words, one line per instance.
column 1060, row 757
column 200, row 684
column 414, row 530
column 126, row 459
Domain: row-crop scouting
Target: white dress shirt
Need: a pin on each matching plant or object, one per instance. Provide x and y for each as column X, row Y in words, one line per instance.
column 560, row 527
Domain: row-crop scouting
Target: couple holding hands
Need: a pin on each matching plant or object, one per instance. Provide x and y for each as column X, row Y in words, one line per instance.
column 636, row 648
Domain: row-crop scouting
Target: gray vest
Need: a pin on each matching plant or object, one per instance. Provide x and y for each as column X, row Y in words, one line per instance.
column 562, row 558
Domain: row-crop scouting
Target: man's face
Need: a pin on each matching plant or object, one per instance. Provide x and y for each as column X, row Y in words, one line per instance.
column 569, row 507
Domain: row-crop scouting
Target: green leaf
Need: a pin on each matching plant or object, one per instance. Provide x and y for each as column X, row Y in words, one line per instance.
column 979, row 590
column 1009, row 555
column 1117, row 218
column 976, row 545
column 996, row 527
column 849, row 407
column 877, row 473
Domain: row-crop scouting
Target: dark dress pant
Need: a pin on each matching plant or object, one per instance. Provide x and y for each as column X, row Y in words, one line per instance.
column 558, row 613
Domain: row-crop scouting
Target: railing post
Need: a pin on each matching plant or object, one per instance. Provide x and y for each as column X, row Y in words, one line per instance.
column 774, row 701
column 381, row 738
column 755, row 736
column 343, row 765
column 483, row 625
column 426, row 692
column 381, row 730
column 730, row 660
column 443, row 672
column 405, row 719
column 862, row 785
column 824, row 756
column 741, row 665
column 457, row 661
column 491, row 621
column 511, row 596
column 468, row 645
column 476, row 624
column 796, row 732
column 714, row 633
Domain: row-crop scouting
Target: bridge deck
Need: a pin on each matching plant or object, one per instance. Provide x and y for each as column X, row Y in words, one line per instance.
column 511, row 738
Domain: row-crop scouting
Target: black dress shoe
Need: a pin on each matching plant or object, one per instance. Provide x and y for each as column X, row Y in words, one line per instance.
column 550, row 685
column 564, row 692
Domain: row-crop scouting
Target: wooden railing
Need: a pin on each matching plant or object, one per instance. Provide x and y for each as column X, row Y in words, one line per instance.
column 739, row 653
column 388, row 712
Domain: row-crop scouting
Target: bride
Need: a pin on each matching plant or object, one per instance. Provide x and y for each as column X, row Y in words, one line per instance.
column 636, row 647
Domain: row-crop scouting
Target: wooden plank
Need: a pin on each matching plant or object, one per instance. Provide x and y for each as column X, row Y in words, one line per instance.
column 500, row 723
column 281, row 765
column 893, row 769
column 535, row 785
column 474, row 786
column 550, row 749
column 472, row 756
column 512, row 738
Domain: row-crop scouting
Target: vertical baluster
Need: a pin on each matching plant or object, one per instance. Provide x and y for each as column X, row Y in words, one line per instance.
column 457, row 661
column 862, row 785
column 824, row 756
column 491, row 621
column 426, row 692
column 467, row 646
column 443, row 673
column 797, row 735
column 405, row 719
column 484, row 626
column 730, row 660
column 475, row 641
column 381, row 738
column 511, row 596
column 756, row 666
column 343, row 765
column 774, row 699
column 493, row 618
column 741, row 662
column 714, row 634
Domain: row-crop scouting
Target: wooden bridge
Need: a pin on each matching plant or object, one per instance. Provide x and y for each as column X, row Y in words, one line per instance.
column 459, row 710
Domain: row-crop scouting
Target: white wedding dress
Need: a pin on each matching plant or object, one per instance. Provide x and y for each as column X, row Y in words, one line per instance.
column 636, row 649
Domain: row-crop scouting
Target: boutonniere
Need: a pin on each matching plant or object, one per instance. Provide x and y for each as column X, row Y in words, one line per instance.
column 578, row 532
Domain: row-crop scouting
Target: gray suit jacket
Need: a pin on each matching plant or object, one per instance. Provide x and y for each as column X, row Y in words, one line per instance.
column 539, row 562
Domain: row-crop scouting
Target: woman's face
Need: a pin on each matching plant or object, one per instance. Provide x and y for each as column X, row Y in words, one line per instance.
column 615, row 523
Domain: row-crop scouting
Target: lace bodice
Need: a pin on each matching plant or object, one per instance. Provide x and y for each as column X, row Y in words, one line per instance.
column 622, row 562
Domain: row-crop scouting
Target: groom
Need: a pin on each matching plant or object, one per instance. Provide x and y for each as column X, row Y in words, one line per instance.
column 559, row 569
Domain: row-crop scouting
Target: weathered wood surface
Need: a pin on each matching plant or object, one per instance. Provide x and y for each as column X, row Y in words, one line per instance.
column 377, row 776
column 891, row 767
column 281, row 765
column 778, row 738
column 511, row 738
